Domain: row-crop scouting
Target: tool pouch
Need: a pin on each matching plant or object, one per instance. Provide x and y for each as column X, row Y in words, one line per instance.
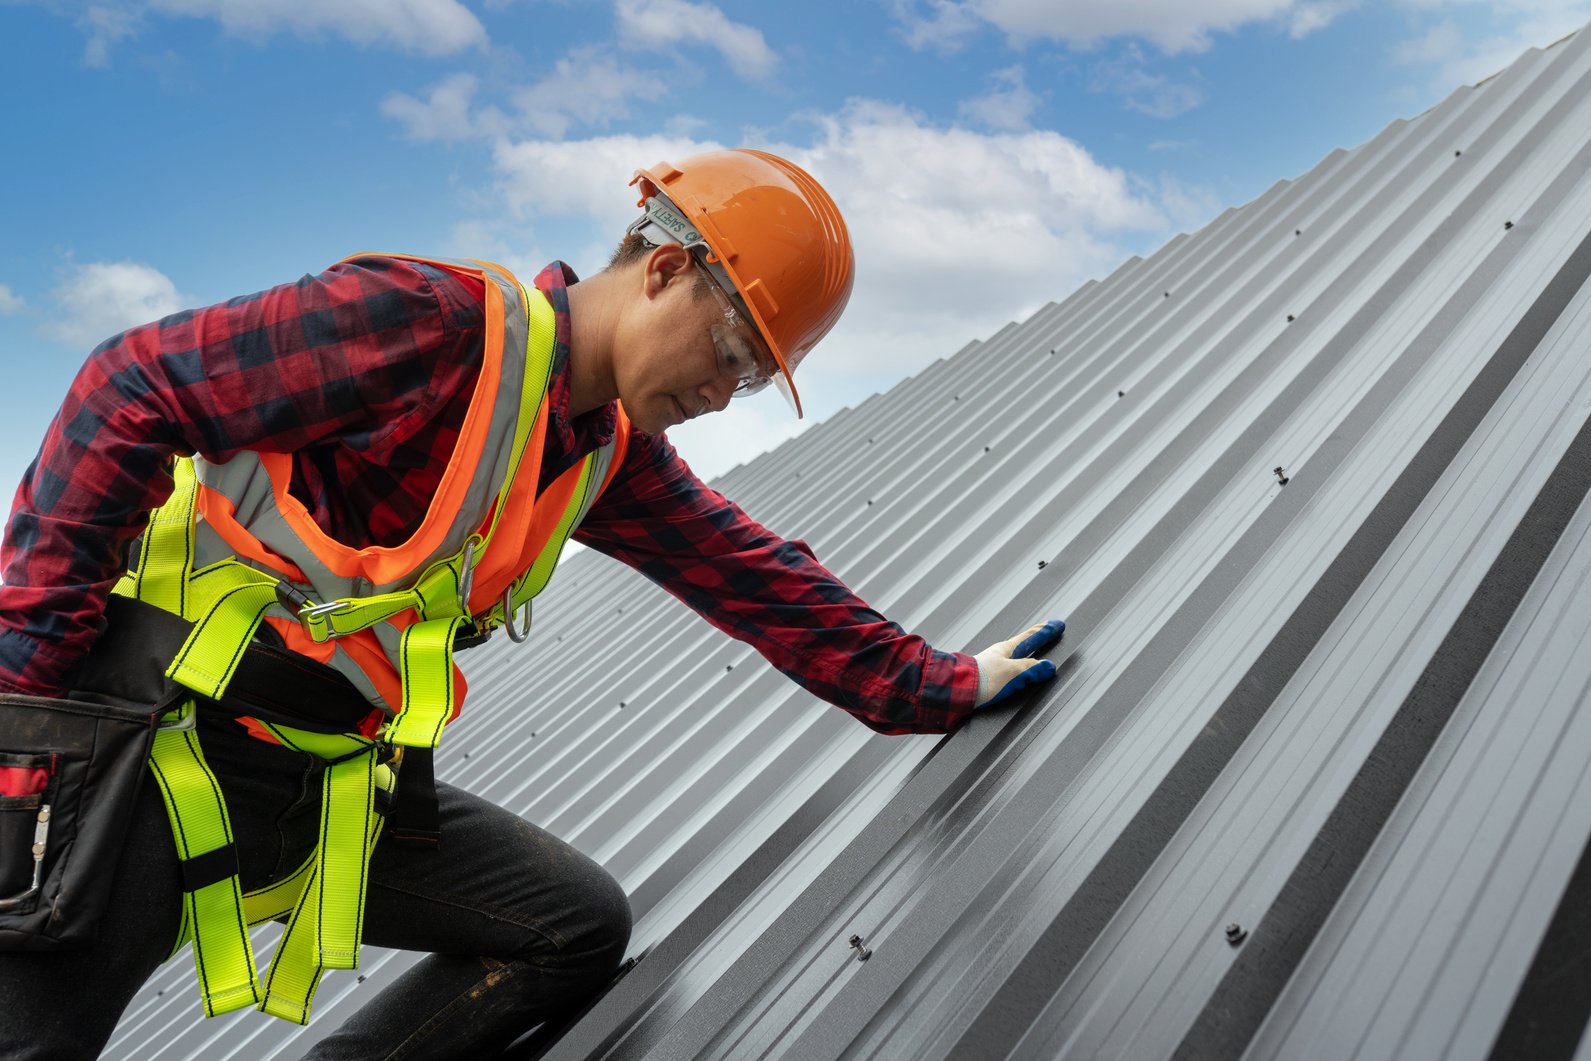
column 69, row 776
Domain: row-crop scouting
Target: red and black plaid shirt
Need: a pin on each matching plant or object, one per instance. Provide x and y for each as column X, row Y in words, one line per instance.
column 363, row 373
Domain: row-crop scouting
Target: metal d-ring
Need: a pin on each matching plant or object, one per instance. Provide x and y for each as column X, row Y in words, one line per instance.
column 516, row 636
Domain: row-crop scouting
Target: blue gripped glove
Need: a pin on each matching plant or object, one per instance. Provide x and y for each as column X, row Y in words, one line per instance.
column 1009, row 667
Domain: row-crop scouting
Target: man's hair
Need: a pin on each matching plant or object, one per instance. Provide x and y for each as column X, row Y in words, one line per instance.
column 633, row 247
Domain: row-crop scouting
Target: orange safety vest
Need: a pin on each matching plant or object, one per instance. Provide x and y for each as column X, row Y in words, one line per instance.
column 485, row 515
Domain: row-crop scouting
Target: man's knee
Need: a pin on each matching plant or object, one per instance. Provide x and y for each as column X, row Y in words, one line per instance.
column 608, row 915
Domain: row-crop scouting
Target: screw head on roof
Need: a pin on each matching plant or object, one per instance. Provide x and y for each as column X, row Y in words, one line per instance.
column 862, row 953
column 1290, row 318
column 1166, row 295
column 1121, row 394
column 1281, row 475
column 1508, row 224
column 1298, row 232
column 1457, row 153
column 986, row 449
column 1043, row 564
column 1235, row 933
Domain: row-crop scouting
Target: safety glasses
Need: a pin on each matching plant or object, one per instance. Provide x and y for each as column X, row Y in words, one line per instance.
column 742, row 355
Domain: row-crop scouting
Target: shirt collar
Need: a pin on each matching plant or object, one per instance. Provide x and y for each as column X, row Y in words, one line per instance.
column 589, row 431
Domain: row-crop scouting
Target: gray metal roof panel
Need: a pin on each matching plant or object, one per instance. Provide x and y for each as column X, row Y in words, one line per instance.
column 1242, row 683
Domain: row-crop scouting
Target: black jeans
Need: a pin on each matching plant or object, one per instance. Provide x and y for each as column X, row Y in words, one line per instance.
column 520, row 926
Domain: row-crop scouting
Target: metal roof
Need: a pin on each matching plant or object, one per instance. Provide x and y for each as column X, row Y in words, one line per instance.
column 1315, row 779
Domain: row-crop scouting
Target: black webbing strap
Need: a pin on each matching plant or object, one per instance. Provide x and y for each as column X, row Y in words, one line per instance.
column 272, row 684
column 201, row 871
column 414, row 820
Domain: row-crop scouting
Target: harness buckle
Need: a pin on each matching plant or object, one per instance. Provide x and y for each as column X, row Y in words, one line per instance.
column 312, row 618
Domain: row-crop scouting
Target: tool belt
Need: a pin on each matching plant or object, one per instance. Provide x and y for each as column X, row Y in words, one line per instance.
column 69, row 774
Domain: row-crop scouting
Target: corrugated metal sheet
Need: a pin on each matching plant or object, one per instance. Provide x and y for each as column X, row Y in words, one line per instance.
column 1315, row 780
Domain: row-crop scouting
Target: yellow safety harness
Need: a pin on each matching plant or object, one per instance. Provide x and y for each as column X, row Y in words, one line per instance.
column 323, row 900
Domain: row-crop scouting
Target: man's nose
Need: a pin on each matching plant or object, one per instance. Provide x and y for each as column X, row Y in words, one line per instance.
column 718, row 394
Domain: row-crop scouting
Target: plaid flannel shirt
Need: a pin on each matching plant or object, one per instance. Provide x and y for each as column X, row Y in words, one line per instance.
column 363, row 373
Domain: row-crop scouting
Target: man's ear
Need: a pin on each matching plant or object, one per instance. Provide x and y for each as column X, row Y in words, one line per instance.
column 666, row 265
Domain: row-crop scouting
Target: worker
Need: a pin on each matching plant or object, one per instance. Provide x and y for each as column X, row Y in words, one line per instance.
column 303, row 502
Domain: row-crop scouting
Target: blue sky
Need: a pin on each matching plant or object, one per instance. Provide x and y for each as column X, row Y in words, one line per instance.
column 990, row 155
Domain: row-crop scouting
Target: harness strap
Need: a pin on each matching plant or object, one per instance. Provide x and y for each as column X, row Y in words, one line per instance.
column 325, row 896
column 328, row 917
column 212, row 902
column 324, row 899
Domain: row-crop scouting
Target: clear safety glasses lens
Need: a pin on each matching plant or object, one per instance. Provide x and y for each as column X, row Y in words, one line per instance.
column 740, row 356
column 738, row 360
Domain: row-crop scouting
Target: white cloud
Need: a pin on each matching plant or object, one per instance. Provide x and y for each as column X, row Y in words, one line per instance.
column 582, row 178
column 587, row 86
column 429, row 27
column 661, row 24
column 104, row 26
column 944, row 28
column 1007, row 106
column 1438, row 43
column 445, row 114
column 1153, row 94
column 1465, row 57
column 956, row 233
column 100, row 299
column 10, row 301
column 1172, row 25
column 1306, row 18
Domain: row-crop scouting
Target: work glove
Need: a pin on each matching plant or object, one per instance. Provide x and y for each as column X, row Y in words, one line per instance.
column 1009, row 667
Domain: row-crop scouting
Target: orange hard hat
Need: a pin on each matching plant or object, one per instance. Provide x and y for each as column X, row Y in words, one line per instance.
column 772, row 231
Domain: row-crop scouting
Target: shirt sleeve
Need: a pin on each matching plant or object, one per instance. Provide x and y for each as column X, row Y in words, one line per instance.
column 771, row 593
column 352, row 356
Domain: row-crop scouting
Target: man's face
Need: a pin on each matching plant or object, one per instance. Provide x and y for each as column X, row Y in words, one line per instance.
column 667, row 364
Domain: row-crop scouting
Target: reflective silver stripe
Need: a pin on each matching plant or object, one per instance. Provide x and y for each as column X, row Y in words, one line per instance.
column 244, row 482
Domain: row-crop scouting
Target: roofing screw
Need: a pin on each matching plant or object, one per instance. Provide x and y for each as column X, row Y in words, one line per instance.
column 1043, row 564
column 1166, row 295
column 361, row 979
column 1298, row 232
column 1508, row 224
column 1290, row 318
column 862, row 953
column 728, row 667
column 1282, row 476
column 986, row 449
column 1235, row 933
column 1121, row 394
column 1457, row 153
